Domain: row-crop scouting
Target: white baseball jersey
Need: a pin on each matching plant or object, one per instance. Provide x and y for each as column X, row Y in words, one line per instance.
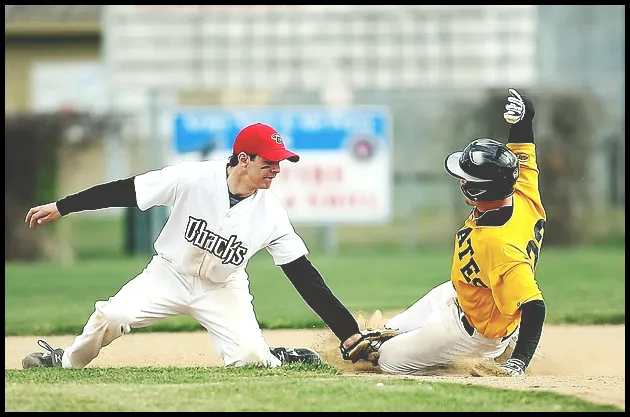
column 199, row 269
column 203, row 236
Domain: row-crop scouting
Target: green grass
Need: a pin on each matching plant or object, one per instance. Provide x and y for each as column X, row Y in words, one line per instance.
column 290, row 388
column 582, row 285
column 80, row 231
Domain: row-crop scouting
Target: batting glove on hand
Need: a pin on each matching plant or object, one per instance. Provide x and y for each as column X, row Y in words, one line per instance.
column 515, row 108
column 514, row 367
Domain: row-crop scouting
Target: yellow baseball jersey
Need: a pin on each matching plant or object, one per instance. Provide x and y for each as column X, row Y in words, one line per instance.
column 493, row 266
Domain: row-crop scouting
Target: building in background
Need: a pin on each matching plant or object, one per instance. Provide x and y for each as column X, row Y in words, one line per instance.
column 52, row 62
column 426, row 63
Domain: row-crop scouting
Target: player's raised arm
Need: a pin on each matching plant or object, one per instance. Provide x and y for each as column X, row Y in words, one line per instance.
column 520, row 115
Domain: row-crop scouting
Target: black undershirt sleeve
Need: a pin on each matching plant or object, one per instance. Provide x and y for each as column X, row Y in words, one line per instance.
column 523, row 131
column 119, row 193
column 532, row 319
column 311, row 286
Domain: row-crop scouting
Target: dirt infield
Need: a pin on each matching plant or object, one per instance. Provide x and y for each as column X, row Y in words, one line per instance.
column 586, row 361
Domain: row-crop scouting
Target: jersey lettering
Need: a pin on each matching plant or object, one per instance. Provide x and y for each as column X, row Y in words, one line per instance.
column 533, row 246
column 470, row 270
column 229, row 250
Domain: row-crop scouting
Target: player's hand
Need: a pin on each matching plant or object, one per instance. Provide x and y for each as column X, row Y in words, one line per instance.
column 42, row 214
column 514, row 367
column 518, row 108
column 515, row 108
column 366, row 345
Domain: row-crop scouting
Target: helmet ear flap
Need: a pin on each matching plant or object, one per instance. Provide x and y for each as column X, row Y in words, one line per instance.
column 489, row 191
column 473, row 191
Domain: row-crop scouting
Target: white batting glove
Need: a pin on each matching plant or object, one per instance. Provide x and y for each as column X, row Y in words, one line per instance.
column 514, row 367
column 515, row 108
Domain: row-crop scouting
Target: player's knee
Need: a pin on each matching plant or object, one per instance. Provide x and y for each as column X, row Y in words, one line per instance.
column 113, row 320
column 394, row 323
column 387, row 361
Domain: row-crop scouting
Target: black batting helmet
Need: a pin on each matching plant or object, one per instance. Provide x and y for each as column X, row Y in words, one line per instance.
column 489, row 168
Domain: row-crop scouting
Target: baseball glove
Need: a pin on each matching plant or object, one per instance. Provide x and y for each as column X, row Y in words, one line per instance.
column 366, row 348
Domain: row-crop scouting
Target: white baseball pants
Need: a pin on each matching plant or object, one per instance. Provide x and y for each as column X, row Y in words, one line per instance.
column 434, row 336
column 225, row 309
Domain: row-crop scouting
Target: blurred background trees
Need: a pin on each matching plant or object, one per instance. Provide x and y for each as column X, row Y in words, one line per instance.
column 442, row 71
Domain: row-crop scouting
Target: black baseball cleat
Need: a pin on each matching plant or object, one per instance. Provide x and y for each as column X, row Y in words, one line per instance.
column 296, row 355
column 49, row 359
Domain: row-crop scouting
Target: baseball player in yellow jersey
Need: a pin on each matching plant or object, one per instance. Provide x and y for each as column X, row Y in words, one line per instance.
column 492, row 295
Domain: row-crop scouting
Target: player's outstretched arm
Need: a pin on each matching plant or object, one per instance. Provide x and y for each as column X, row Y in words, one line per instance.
column 119, row 193
column 519, row 113
column 311, row 286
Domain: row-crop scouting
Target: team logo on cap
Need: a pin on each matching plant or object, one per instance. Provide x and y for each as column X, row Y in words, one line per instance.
column 277, row 138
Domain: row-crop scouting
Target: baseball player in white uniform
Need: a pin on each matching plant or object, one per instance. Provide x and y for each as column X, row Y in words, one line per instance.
column 221, row 215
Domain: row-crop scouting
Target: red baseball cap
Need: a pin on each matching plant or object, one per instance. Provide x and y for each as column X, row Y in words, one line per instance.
column 264, row 140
